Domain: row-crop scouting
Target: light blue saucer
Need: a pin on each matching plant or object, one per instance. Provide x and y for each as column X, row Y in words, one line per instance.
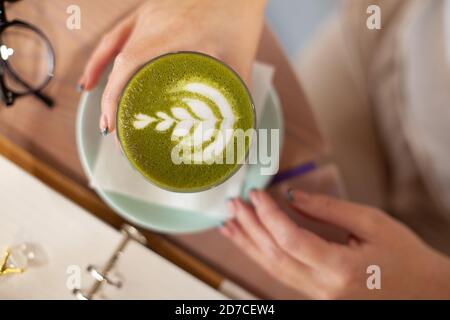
column 154, row 216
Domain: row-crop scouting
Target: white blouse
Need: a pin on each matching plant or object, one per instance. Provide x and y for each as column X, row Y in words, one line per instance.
column 426, row 72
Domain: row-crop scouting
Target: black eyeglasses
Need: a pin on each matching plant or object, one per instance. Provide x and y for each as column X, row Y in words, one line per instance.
column 27, row 60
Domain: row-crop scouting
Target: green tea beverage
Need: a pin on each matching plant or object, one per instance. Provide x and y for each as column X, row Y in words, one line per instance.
column 178, row 121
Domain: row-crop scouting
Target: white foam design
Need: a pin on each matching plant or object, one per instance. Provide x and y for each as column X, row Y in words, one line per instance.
column 142, row 120
column 200, row 109
column 213, row 94
column 197, row 124
column 181, row 114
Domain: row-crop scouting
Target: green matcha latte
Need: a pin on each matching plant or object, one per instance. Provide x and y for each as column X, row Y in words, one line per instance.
column 177, row 117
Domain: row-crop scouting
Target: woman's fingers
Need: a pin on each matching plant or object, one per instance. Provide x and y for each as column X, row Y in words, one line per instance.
column 253, row 227
column 362, row 221
column 300, row 243
column 109, row 47
column 233, row 231
column 124, row 67
column 283, row 268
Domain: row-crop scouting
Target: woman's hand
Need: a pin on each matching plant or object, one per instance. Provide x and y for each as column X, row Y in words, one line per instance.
column 228, row 30
column 325, row 270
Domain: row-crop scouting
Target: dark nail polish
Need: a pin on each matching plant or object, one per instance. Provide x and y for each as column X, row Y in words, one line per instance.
column 290, row 195
column 104, row 132
column 80, row 87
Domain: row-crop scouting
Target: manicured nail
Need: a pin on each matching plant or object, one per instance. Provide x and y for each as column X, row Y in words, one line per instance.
column 254, row 195
column 299, row 196
column 225, row 231
column 80, row 87
column 231, row 205
column 289, row 195
column 105, row 132
column 104, row 125
column 238, row 204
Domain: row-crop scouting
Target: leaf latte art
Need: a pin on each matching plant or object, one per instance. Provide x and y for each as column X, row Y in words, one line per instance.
column 201, row 119
column 180, row 118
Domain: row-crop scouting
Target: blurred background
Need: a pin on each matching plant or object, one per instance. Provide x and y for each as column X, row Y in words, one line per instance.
column 294, row 21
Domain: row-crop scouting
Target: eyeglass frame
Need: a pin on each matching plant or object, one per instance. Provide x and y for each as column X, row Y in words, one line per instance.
column 7, row 95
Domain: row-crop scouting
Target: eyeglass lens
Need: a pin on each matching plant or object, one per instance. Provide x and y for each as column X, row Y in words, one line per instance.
column 27, row 55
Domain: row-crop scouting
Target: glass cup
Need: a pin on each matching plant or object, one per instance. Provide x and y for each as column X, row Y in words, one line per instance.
column 238, row 165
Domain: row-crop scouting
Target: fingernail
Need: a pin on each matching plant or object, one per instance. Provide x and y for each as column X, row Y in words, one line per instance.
column 289, row 195
column 254, row 195
column 225, row 231
column 238, row 204
column 104, row 132
column 104, row 125
column 80, row 87
column 231, row 205
column 300, row 196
